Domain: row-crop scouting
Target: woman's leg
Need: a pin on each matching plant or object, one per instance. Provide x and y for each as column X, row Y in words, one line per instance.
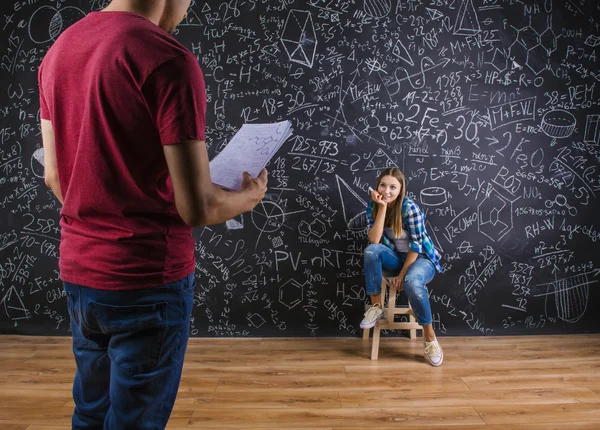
column 419, row 274
column 379, row 258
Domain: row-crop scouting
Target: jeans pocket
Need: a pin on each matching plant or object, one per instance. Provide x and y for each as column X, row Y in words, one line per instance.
column 75, row 316
column 137, row 334
column 182, row 317
column 191, row 283
column 71, row 309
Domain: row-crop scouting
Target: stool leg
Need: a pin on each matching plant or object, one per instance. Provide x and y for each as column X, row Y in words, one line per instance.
column 366, row 333
column 412, row 320
column 375, row 346
column 391, row 307
column 383, row 289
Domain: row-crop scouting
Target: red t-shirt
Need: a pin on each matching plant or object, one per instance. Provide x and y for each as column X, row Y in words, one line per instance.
column 116, row 88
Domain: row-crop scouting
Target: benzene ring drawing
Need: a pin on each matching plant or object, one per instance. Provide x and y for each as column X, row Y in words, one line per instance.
column 291, row 294
column 494, row 215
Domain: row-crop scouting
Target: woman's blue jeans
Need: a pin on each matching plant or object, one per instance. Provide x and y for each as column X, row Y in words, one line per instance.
column 381, row 260
column 129, row 348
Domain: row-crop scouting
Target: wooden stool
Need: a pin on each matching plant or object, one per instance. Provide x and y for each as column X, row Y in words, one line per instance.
column 388, row 324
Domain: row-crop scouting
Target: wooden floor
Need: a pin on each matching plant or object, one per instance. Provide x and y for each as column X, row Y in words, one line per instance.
column 543, row 382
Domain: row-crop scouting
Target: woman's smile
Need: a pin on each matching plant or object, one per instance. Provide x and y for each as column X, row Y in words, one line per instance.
column 389, row 188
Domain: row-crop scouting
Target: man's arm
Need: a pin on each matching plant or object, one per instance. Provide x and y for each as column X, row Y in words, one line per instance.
column 50, row 168
column 198, row 200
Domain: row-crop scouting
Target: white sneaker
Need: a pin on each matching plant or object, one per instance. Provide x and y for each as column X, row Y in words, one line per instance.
column 373, row 314
column 433, row 352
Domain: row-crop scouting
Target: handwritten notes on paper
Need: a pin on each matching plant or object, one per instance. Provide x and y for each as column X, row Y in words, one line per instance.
column 249, row 151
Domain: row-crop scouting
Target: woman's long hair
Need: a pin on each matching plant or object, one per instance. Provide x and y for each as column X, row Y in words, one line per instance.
column 393, row 214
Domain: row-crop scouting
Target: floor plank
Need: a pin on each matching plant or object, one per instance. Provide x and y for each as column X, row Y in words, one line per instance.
column 365, row 418
column 432, row 398
column 536, row 414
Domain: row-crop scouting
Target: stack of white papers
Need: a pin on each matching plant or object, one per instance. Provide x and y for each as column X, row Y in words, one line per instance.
column 248, row 151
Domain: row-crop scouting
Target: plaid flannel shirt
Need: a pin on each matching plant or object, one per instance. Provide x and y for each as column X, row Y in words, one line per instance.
column 413, row 221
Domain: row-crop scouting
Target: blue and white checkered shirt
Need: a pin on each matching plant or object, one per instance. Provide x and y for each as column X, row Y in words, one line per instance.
column 413, row 221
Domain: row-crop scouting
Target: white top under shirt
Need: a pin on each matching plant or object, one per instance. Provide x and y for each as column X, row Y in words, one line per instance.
column 401, row 243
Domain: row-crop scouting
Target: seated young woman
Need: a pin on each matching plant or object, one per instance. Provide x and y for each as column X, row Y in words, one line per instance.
column 401, row 248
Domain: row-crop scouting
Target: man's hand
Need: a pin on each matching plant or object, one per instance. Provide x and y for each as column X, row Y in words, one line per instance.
column 255, row 187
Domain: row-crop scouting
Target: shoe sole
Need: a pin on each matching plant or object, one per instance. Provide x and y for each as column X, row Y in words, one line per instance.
column 368, row 325
column 371, row 325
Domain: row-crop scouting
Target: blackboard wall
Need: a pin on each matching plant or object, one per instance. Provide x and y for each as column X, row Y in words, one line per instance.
column 490, row 107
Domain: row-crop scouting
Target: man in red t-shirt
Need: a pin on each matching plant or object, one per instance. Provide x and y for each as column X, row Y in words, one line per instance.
column 123, row 109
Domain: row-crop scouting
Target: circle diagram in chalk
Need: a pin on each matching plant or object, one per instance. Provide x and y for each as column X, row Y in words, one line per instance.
column 377, row 8
column 268, row 217
column 434, row 196
column 37, row 163
column 47, row 23
column 558, row 124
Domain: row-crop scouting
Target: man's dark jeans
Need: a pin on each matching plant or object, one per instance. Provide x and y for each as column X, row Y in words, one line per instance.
column 129, row 348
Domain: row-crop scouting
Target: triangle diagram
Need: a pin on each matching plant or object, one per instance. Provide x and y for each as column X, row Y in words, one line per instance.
column 191, row 18
column 380, row 161
column 467, row 23
column 13, row 305
column 435, row 239
column 206, row 8
column 434, row 14
column 400, row 51
column 349, row 199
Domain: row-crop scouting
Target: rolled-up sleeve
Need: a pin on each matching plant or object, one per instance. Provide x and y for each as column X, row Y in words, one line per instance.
column 415, row 223
column 44, row 110
column 369, row 214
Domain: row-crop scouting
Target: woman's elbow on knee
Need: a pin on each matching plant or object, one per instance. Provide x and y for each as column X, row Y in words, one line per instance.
column 371, row 248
